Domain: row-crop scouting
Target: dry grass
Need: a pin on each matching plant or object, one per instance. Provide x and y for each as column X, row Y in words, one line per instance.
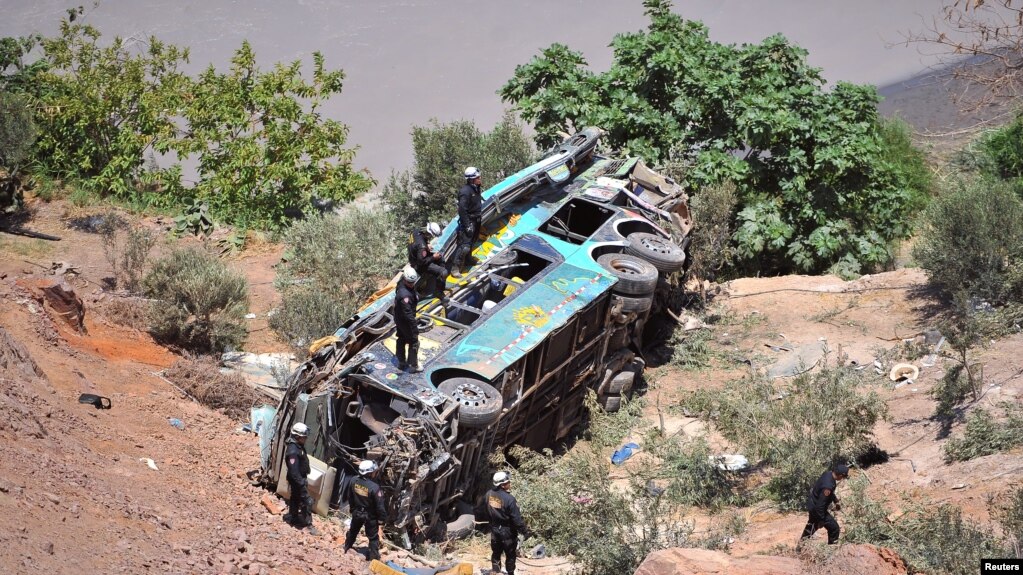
column 127, row 312
column 201, row 378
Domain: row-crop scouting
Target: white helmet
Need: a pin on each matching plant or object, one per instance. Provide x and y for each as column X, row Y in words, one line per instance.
column 500, row 478
column 433, row 228
column 472, row 173
column 410, row 274
column 367, row 466
column 300, row 430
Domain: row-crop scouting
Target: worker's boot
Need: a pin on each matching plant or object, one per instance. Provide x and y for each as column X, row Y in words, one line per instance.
column 413, row 358
column 495, row 569
column 399, row 352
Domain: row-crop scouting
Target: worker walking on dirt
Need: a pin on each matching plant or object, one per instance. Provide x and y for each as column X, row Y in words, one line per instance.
column 406, row 348
column 366, row 502
column 470, row 218
column 300, row 503
column 425, row 261
column 822, row 495
column 506, row 524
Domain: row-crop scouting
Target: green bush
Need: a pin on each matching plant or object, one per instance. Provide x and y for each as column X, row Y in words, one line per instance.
column 1004, row 150
column 200, row 304
column 693, row 478
column 985, row 436
column 931, row 538
column 1007, row 509
column 334, row 263
column 17, row 133
column 427, row 192
column 800, row 429
column 972, row 241
column 126, row 248
column 573, row 506
column 711, row 251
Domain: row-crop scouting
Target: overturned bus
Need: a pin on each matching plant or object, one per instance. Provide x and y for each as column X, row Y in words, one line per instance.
column 573, row 253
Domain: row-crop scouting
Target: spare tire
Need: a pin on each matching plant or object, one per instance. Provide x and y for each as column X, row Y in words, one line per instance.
column 462, row 527
column 622, row 383
column 634, row 304
column 635, row 275
column 611, row 403
column 660, row 251
column 479, row 404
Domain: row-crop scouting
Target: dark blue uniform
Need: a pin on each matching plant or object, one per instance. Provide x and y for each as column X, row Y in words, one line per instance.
column 420, row 257
column 366, row 502
column 470, row 217
column 300, row 503
column 822, row 495
column 506, row 525
column 405, row 300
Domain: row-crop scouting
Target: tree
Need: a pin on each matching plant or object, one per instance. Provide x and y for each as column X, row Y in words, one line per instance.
column 262, row 143
column 821, row 185
column 442, row 151
column 99, row 109
column 982, row 43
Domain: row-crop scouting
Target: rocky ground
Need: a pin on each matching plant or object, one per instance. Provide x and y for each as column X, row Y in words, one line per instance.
column 77, row 495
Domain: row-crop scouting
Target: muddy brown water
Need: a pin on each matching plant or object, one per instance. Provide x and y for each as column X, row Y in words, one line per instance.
column 408, row 61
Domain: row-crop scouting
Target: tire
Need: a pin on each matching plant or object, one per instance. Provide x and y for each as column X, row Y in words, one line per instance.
column 611, row 403
column 619, row 339
column 462, row 527
column 635, row 304
column 479, row 404
column 635, row 275
column 622, row 383
column 663, row 253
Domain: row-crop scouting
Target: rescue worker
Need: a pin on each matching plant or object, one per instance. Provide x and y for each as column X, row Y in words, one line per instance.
column 405, row 300
column 470, row 217
column 506, row 524
column 425, row 261
column 822, row 495
column 366, row 502
column 300, row 503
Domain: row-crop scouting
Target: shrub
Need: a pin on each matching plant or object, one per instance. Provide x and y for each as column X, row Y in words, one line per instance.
column 129, row 312
column 713, row 209
column 126, row 248
column 1007, row 509
column 442, row 151
column 930, row 538
column 693, row 478
column 1004, row 150
column 571, row 503
column 799, row 430
column 609, row 429
column 972, row 238
column 200, row 304
column 334, row 263
column 201, row 378
column 984, row 436
column 17, row 133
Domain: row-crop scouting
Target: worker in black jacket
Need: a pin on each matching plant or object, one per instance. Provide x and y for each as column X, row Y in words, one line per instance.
column 470, row 217
column 366, row 502
column 300, row 503
column 406, row 347
column 506, row 524
column 426, row 261
column 822, row 495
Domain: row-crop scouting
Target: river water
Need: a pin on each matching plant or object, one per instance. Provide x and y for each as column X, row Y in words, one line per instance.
column 407, row 61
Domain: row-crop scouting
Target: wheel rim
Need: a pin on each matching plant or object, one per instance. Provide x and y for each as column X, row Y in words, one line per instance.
column 625, row 268
column 469, row 394
column 657, row 245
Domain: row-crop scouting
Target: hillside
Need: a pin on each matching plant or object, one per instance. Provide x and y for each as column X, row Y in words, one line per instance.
column 77, row 493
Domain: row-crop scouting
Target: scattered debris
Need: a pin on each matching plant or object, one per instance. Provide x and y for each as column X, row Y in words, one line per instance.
column 959, row 486
column 250, row 316
column 271, row 505
column 623, row 453
column 176, row 423
column 64, row 302
column 904, row 372
column 149, row 463
column 730, row 461
column 392, row 568
column 538, row 552
column 97, row 400
column 931, row 359
column 802, row 359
